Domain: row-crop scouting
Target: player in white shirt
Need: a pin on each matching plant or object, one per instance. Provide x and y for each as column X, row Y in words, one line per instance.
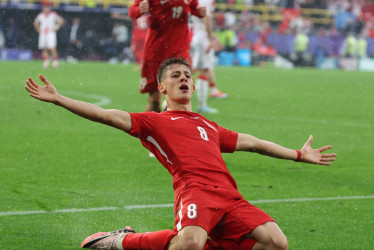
column 46, row 24
column 202, row 54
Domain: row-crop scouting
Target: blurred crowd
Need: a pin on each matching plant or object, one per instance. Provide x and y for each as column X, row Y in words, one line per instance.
column 349, row 20
column 236, row 28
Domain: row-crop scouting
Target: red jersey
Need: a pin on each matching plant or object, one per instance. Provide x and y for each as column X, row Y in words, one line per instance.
column 167, row 34
column 188, row 145
column 139, row 28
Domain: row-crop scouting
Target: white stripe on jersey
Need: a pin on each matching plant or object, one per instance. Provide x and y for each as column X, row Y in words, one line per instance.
column 210, row 126
column 179, row 225
column 154, row 142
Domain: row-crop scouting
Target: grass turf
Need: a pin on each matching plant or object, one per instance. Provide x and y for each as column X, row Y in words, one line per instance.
column 51, row 159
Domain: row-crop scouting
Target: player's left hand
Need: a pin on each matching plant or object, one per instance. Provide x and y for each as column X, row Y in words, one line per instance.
column 202, row 11
column 315, row 156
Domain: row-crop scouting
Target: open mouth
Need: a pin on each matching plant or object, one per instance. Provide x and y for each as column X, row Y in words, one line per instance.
column 183, row 87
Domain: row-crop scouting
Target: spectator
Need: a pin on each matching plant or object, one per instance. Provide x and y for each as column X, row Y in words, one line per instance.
column 349, row 48
column 262, row 52
column 256, row 23
column 369, row 28
column 245, row 20
column 321, row 49
column 2, row 38
column 345, row 20
column 367, row 10
column 75, row 41
column 288, row 14
column 362, row 45
column 230, row 18
column 272, row 3
column 121, row 39
column 220, row 19
column 301, row 42
column 11, row 33
column 227, row 38
column 265, row 31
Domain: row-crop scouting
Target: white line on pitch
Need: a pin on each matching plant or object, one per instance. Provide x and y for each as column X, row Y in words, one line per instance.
column 101, row 100
column 75, row 210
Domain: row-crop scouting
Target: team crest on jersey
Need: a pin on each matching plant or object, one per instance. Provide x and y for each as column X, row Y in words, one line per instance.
column 143, row 82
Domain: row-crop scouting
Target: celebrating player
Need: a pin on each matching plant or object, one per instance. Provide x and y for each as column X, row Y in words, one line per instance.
column 207, row 202
column 46, row 24
column 167, row 36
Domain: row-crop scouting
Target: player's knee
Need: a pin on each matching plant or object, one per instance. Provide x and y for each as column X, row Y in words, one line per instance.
column 277, row 242
column 280, row 243
column 193, row 243
column 190, row 243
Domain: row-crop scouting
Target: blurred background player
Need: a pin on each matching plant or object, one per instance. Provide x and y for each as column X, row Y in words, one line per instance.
column 202, row 54
column 120, row 36
column 167, row 36
column 139, row 30
column 46, row 24
column 75, row 41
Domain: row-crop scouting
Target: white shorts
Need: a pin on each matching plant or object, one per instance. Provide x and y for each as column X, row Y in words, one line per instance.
column 47, row 41
column 200, row 58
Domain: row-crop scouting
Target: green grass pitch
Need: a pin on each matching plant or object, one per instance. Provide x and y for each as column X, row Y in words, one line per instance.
column 53, row 160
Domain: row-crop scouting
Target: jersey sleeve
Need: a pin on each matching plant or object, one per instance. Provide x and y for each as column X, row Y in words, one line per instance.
column 142, row 124
column 194, row 10
column 227, row 139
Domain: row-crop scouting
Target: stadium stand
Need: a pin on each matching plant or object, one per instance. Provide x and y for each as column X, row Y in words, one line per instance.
column 264, row 27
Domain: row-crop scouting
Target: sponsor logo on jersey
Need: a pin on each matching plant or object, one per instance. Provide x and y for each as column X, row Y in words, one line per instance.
column 175, row 118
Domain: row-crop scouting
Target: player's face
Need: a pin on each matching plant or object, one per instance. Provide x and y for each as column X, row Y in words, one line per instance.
column 177, row 82
column 46, row 9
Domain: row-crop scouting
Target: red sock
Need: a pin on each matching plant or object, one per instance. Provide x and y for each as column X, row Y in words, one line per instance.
column 45, row 58
column 212, row 84
column 203, row 77
column 151, row 240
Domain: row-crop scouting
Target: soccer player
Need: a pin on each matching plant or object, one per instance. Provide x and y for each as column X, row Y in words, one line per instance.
column 207, row 202
column 46, row 24
column 202, row 55
column 140, row 26
column 167, row 36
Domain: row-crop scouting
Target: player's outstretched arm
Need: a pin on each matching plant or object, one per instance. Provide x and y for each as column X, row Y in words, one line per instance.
column 308, row 154
column 48, row 93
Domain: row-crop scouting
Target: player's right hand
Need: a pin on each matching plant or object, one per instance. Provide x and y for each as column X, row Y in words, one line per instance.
column 144, row 6
column 47, row 93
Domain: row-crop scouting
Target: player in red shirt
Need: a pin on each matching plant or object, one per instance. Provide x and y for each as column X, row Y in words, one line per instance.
column 139, row 30
column 207, row 202
column 167, row 36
